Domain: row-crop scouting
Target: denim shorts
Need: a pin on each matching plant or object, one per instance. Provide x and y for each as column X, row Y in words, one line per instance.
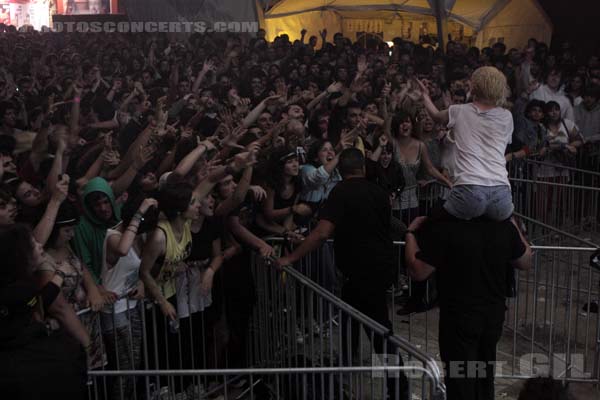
column 472, row 201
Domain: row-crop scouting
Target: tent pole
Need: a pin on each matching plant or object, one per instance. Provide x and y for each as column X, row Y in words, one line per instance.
column 441, row 17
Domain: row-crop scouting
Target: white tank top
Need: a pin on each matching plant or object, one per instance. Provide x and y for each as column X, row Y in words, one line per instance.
column 122, row 277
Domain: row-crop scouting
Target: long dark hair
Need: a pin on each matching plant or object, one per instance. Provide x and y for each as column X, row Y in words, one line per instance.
column 16, row 252
column 277, row 162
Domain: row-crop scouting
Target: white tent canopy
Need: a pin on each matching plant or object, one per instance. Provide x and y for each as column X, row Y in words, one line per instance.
column 482, row 22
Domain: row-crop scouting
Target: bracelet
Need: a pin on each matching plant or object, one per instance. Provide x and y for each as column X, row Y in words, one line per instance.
column 138, row 215
column 132, row 230
column 60, row 273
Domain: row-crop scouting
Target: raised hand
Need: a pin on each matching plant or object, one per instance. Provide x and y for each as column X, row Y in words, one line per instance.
column 335, row 87
column 61, row 190
column 143, row 156
column 147, row 204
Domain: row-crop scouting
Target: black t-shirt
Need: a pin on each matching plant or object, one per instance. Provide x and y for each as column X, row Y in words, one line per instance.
column 202, row 241
column 361, row 213
column 18, row 301
column 472, row 260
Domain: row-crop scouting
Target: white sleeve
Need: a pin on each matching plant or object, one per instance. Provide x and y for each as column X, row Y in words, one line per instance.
column 453, row 111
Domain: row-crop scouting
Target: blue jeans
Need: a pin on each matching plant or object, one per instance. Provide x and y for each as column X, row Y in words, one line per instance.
column 472, row 201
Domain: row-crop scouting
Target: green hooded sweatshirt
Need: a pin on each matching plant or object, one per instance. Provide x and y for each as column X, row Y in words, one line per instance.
column 88, row 242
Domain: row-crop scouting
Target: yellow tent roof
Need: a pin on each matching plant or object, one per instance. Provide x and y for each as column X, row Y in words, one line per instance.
column 509, row 20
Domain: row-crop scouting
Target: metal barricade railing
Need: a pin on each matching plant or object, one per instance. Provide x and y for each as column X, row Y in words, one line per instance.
column 550, row 325
column 565, row 197
column 302, row 339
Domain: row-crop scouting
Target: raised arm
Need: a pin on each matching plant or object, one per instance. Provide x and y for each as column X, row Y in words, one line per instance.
column 244, row 235
column 238, row 196
column 441, row 117
column 43, row 229
column 118, row 246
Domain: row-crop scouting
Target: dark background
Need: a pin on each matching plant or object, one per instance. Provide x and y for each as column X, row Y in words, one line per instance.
column 576, row 21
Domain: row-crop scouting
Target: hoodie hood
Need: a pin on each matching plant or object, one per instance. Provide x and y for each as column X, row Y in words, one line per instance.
column 100, row 185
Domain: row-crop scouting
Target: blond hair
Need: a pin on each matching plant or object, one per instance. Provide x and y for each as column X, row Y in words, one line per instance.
column 488, row 85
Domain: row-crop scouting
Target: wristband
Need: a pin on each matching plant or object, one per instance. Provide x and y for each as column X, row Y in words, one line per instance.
column 139, row 216
column 60, row 273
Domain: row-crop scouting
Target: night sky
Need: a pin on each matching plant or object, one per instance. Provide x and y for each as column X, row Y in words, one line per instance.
column 577, row 21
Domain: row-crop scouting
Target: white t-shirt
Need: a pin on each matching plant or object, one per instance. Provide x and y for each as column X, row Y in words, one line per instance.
column 480, row 138
column 121, row 278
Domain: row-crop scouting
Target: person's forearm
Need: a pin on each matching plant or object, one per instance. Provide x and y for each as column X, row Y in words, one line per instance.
column 55, row 171
column 254, row 114
column 122, row 183
column 65, row 314
column 230, row 204
column 417, row 269
column 109, row 124
column 88, row 282
column 376, row 154
column 439, row 176
column 43, row 229
column 242, row 233
column 195, row 120
column 152, row 287
column 317, row 100
column 198, row 81
column 188, row 162
column 74, row 123
column 435, row 114
column 93, row 171
column 126, row 102
column 310, row 244
column 167, row 163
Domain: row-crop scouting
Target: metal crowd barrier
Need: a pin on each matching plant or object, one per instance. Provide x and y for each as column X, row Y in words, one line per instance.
column 550, row 325
column 568, row 200
column 299, row 346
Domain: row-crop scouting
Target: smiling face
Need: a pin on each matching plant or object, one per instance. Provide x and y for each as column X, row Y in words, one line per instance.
column 405, row 127
column 386, row 158
column 326, row 153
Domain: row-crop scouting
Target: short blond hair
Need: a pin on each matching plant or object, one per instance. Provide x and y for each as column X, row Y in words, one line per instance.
column 488, row 85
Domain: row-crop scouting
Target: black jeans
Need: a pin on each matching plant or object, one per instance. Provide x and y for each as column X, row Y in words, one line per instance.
column 373, row 303
column 468, row 340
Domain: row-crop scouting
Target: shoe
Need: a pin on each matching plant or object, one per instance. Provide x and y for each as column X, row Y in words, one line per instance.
column 412, row 307
column 591, row 307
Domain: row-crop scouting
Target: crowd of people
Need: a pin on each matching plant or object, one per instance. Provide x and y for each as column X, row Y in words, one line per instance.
column 150, row 166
